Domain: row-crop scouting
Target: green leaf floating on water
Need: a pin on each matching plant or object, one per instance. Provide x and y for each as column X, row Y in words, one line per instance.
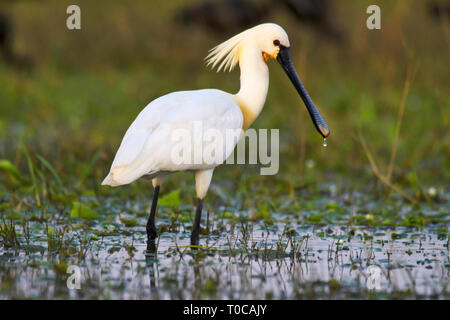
column 264, row 212
column 129, row 222
column 7, row 166
column 80, row 210
column 171, row 199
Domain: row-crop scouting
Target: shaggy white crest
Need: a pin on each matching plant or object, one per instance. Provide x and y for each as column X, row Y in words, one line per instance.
column 227, row 53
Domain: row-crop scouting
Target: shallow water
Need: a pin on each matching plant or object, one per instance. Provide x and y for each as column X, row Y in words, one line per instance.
column 248, row 260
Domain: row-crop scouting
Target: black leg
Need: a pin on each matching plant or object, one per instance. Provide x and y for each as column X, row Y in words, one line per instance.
column 196, row 227
column 151, row 228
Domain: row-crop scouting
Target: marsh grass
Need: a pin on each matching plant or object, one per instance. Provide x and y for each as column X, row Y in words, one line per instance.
column 8, row 234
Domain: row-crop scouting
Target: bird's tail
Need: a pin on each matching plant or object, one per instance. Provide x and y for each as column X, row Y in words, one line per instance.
column 115, row 177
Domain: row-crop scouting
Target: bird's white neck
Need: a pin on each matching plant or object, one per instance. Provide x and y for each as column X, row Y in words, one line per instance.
column 254, row 84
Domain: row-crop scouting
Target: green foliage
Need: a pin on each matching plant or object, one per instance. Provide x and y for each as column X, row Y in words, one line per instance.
column 227, row 215
column 10, row 169
column 211, row 287
column 8, row 235
column 172, row 199
column 81, row 210
column 52, row 170
column 263, row 212
column 129, row 222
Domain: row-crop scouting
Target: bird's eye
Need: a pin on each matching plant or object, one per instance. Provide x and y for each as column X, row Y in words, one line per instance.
column 276, row 42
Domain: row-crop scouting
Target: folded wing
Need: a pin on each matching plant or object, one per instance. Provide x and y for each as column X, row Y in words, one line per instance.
column 148, row 145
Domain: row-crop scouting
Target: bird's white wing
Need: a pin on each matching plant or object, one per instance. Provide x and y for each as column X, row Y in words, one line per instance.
column 148, row 145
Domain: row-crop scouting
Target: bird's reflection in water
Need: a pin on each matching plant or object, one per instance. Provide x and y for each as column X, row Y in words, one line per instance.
column 196, row 269
column 151, row 258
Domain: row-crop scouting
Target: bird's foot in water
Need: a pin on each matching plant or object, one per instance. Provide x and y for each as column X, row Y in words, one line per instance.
column 194, row 239
column 152, row 233
column 151, row 248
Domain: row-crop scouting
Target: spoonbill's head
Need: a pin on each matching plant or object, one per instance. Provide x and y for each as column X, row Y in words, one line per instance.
column 269, row 41
column 270, row 38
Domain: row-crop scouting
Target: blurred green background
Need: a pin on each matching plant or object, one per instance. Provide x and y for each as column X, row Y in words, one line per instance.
column 78, row 92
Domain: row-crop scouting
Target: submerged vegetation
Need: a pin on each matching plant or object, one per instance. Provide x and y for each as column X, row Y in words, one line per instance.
column 377, row 195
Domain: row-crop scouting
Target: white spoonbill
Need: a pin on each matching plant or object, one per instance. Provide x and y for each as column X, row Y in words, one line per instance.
column 147, row 147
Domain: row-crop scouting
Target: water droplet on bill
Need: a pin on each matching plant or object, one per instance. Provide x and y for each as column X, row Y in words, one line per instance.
column 324, row 142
